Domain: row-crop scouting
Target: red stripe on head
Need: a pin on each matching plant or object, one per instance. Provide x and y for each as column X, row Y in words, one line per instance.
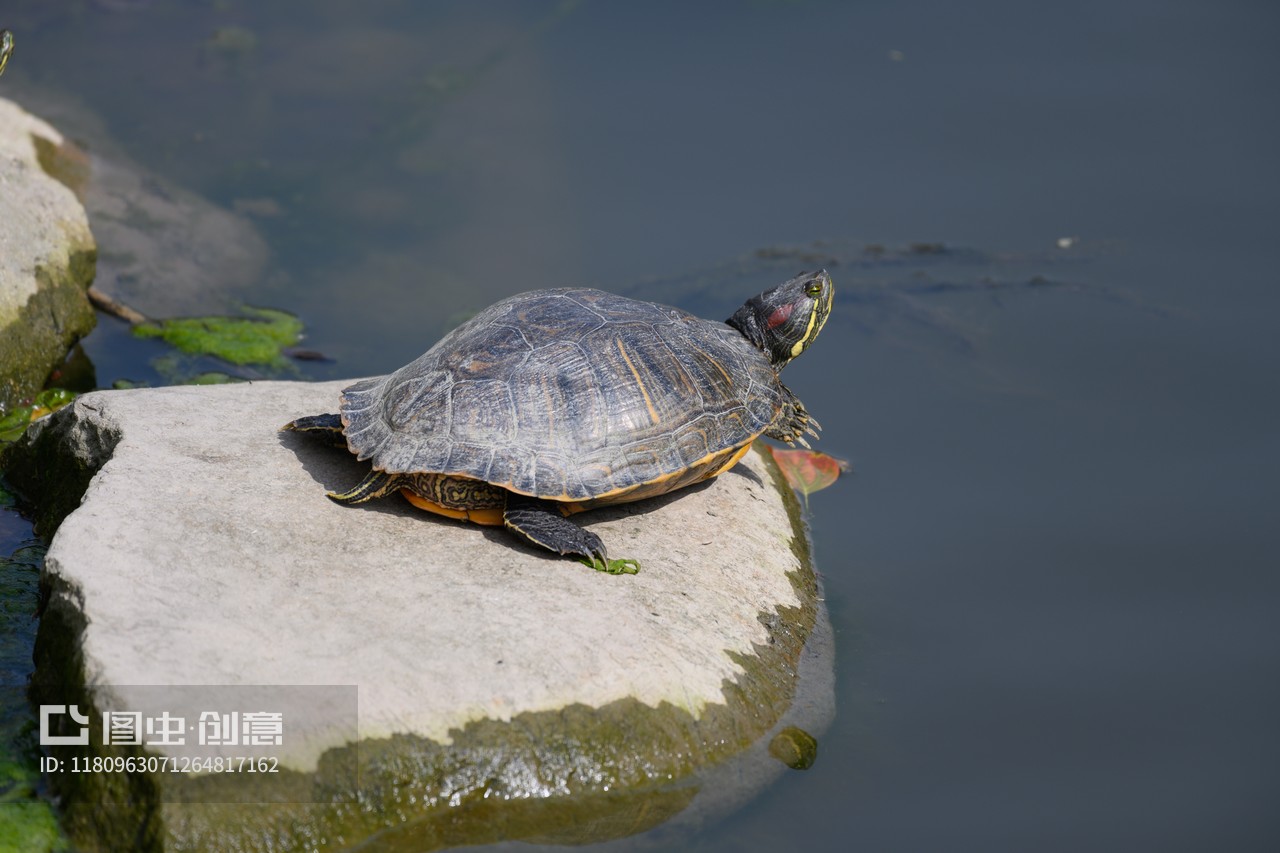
column 780, row 315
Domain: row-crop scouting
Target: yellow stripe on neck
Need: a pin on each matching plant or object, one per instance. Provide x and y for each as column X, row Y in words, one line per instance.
column 814, row 327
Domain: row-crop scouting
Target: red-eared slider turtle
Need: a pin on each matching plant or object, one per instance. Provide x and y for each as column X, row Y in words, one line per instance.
column 557, row 401
column 6, row 48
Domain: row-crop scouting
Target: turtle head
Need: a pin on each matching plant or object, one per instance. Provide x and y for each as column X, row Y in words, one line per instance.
column 785, row 320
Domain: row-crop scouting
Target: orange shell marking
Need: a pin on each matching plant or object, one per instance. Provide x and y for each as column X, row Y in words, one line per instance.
column 491, row 517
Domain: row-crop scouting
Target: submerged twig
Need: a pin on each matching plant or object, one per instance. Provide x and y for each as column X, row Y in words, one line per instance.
column 115, row 308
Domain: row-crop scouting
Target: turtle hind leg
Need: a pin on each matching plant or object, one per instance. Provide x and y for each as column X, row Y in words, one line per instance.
column 329, row 426
column 542, row 523
column 377, row 484
column 326, row 426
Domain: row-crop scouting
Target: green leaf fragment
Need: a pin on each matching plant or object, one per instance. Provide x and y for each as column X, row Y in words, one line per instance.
column 612, row 567
column 54, row 398
column 15, row 422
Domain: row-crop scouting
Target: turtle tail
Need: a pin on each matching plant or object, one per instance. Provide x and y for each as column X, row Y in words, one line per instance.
column 326, row 426
column 315, row 423
column 377, row 484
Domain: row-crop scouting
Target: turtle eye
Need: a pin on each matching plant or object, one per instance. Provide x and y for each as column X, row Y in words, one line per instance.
column 813, row 288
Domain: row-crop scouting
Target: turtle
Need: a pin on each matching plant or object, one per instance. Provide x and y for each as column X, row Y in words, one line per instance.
column 556, row 401
column 6, row 48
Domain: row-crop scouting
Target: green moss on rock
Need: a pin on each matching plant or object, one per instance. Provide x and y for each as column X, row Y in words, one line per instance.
column 37, row 338
column 66, row 163
column 27, row 822
column 30, row 826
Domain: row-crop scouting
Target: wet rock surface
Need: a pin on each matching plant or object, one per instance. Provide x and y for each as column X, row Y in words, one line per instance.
column 503, row 693
column 46, row 254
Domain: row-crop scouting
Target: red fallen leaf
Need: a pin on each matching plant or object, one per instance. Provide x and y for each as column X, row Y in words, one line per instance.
column 808, row 471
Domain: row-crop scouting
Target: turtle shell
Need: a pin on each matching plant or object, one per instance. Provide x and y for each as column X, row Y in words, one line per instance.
column 570, row 395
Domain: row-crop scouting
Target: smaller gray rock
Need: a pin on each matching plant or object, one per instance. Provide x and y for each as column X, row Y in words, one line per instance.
column 47, row 256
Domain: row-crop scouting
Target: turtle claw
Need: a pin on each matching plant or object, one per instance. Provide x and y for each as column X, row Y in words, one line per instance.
column 806, row 424
column 595, row 550
column 598, row 559
column 794, row 423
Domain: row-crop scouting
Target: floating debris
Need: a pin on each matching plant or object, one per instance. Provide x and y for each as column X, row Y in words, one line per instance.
column 808, row 471
column 15, row 422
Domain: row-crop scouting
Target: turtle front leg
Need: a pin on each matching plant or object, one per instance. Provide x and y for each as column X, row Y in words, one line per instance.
column 541, row 523
column 793, row 422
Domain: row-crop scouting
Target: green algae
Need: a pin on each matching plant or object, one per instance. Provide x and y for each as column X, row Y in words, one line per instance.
column 65, row 162
column 39, row 335
column 15, row 423
column 29, row 826
column 232, row 41
column 213, row 377
column 795, row 748
column 26, row 821
column 179, row 372
column 257, row 338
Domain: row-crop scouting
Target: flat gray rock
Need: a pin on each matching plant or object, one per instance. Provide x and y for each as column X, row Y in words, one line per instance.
column 46, row 257
column 500, row 688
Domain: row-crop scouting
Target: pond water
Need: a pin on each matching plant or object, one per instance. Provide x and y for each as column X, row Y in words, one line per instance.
column 1052, row 361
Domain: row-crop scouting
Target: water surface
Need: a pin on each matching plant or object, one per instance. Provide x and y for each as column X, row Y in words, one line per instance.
column 1051, row 575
